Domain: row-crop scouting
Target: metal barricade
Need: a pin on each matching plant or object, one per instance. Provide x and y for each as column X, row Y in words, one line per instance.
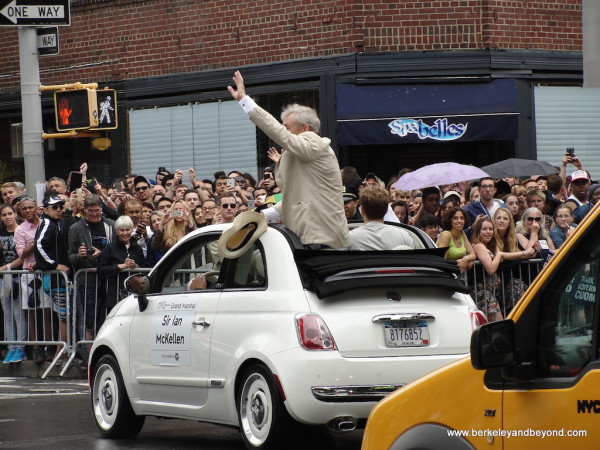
column 505, row 287
column 37, row 307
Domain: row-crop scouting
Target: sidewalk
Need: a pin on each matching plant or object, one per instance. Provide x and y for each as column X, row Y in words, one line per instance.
column 33, row 370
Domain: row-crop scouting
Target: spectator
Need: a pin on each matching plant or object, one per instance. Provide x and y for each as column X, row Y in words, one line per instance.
column 414, row 206
column 9, row 192
column 121, row 254
column 52, row 253
column 199, row 218
column 530, row 184
column 488, row 286
column 564, row 225
column 192, row 199
column 227, row 209
column 372, row 180
column 580, row 184
column 15, row 319
column 153, row 256
column 268, row 182
column 401, row 211
column 250, row 182
column 350, row 197
column 474, row 194
column 542, row 182
column 174, row 227
column 164, row 205
column 430, row 202
column 487, row 204
column 593, row 197
column 454, row 238
column 87, row 238
column 521, row 194
column 376, row 235
column 307, row 171
column 350, row 176
column 403, row 196
column 531, row 232
column 447, row 204
column 260, row 196
column 537, row 199
column 556, row 188
column 512, row 204
column 30, row 289
column 430, row 224
column 133, row 208
column 141, row 189
column 57, row 185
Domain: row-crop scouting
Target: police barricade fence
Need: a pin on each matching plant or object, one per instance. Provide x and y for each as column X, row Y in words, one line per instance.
column 503, row 289
column 36, row 306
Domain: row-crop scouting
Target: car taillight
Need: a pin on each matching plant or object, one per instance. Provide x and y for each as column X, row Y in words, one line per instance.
column 313, row 333
column 477, row 318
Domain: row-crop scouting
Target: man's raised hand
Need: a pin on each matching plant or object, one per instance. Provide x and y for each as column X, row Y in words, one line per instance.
column 239, row 84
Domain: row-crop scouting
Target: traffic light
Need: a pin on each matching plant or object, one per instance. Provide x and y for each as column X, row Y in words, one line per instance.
column 75, row 109
column 107, row 109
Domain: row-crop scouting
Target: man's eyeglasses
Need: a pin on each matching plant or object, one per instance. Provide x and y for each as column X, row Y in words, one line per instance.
column 141, row 188
column 229, row 205
column 487, row 186
column 57, row 206
column 93, row 211
column 531, row 219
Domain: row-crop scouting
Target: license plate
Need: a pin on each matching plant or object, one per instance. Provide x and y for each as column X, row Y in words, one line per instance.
column 406, row 334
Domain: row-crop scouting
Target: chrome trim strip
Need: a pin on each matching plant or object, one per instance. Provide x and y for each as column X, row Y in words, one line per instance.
column 353, row 393
column 403, row 317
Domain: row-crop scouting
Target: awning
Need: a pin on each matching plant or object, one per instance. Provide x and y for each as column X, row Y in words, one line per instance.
column 393, row 114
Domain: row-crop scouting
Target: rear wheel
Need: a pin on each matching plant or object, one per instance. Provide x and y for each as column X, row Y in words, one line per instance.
column 264, row 421
column 112, row 410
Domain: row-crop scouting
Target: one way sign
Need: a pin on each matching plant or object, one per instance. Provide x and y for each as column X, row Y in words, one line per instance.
column 47, row 41
column 35, row 12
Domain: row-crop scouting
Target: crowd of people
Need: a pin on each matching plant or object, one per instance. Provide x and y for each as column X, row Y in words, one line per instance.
column 135, row 220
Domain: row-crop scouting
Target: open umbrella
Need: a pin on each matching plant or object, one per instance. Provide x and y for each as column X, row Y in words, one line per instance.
column 517, row 167
column 436, row 174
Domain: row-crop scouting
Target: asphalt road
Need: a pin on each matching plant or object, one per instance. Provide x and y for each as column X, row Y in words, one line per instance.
column 56, row 414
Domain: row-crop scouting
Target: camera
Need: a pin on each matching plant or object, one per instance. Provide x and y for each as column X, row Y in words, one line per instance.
column 90, row 250
column 176, row 213
column 230, row 182
column 161, row 169
column 571, row 151
column 267, row 176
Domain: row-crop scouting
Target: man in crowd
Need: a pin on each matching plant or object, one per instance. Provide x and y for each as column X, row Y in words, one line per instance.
column 580, row 185
column 350, row 196
column 141, row 189
column 133, row 209
column 57, row 185
column 430, row 203
column 87, row 237
column 376, row 235
column 208, row 209
column 9, row 192
column 307, row 173
column 487, row 204
column 227, row 208
column 52, row 253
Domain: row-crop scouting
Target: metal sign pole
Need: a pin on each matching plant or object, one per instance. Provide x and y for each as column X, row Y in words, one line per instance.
column 31, row 104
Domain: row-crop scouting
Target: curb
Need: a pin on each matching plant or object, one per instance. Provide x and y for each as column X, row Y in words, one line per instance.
column 32, row 370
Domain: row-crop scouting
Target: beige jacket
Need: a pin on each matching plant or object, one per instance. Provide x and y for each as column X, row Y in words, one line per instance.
column 309, row 176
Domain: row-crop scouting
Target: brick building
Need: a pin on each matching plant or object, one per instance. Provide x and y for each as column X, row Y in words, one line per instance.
column 397, row 84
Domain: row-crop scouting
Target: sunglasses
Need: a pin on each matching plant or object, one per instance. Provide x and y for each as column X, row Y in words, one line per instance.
column 25, row 199
column 228, row 205
column 141, row 188
column 531, row 219
column 57, row 206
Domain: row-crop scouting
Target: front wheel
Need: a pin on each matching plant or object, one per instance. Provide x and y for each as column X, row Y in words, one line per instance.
column 264, row 421
column 112, row 410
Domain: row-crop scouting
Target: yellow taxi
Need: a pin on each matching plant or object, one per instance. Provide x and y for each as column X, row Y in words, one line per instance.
column 532, row 381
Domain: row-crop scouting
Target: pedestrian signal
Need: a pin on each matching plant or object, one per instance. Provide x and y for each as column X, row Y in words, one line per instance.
column 75, row 109
column 107, row 109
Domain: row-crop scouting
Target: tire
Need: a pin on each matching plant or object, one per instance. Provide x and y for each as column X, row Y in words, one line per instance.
column 264, row 421
column 112, row 410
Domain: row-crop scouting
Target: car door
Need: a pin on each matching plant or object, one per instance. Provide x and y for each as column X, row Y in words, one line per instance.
column 559, row 405
column 170, row 341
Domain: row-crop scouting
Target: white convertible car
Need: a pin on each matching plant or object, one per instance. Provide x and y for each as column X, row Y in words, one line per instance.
column 279, row 335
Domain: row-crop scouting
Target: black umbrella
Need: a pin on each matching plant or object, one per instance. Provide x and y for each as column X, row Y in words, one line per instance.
column 516, row 167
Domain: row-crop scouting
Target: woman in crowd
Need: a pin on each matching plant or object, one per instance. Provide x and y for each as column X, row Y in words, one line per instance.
column 488, row 285
column 454, row 237
column 520, row 191
column 401, row 211
column 532, row 233
column 122, row 253
column 15, row 318
column 199, row 219
column 512, row 203
column 175, row 225
column 447, row 205
column 564, row 225
column 153, row 256
column 537, row 199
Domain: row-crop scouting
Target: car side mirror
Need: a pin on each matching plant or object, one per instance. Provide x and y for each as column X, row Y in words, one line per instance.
column 139, row 284
column 493, row 345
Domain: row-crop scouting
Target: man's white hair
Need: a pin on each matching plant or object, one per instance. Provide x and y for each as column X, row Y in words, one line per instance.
column 304, row 116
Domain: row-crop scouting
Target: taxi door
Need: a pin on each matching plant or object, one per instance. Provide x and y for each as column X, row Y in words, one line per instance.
column 170, row 340
column 559, row 405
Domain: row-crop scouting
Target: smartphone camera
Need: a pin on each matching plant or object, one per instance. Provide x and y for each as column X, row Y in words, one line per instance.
column 90, row 251
column 230, row 182
column 571, row 151
column 176, row 213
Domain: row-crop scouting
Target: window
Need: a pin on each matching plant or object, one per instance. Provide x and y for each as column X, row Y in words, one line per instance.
column 248, row 270
column 568, row 315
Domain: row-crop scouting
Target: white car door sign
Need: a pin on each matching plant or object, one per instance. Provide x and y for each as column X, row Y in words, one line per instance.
column 171, row 333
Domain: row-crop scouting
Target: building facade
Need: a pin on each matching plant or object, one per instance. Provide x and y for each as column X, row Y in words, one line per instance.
column 397, row 84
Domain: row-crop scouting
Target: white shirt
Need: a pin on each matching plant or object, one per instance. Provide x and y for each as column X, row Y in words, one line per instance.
column 379, row 236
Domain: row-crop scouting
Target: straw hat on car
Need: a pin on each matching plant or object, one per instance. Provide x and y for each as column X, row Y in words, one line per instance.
column 245, row 230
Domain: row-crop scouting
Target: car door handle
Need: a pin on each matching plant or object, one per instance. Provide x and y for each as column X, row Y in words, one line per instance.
column 201, row 323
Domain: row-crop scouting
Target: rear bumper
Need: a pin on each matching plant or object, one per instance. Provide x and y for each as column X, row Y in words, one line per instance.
column 320, row 386
column 353, row 393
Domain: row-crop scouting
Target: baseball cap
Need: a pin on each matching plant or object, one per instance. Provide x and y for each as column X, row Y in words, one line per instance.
column 350, row 193
column 372, row 175
column 53, row 200
column 450, row 193
column 579, row 175
column 140, row 179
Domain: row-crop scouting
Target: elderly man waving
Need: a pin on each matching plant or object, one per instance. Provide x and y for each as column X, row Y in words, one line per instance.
column 307, row 172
